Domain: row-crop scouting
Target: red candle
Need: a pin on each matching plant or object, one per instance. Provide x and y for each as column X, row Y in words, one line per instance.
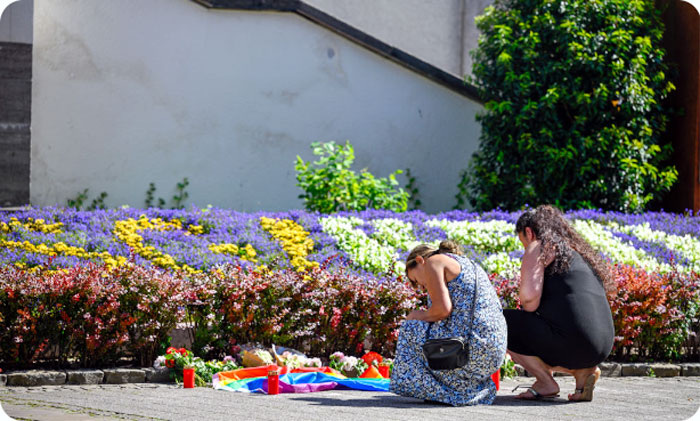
column 273, row 382
column 188, row 378
column 496, row 377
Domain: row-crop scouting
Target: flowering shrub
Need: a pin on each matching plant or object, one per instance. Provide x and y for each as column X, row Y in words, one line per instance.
column 314, row 312
column 98, row 315
column 92, row 314
column 654, row 313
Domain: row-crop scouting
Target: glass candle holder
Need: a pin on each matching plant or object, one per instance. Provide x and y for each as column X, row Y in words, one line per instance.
column 273, row 382
column 188, row 378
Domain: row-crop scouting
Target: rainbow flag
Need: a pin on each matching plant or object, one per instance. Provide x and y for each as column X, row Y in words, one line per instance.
column 298, row 380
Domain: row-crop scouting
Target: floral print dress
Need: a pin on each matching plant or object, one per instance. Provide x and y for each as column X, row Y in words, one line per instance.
column 468, row 385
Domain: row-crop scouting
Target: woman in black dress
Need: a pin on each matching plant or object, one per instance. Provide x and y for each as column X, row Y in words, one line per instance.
column 565, row 324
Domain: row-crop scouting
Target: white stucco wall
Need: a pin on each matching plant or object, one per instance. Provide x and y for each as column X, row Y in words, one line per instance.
column 470, row 34
column 16, row 21
column 137, row 91
column 441, row 32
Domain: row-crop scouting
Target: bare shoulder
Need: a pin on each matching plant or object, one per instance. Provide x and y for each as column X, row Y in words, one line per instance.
column 448, row 265
column 440, row 260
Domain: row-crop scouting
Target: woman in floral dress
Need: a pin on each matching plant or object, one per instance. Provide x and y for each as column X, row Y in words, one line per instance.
column 450, row 279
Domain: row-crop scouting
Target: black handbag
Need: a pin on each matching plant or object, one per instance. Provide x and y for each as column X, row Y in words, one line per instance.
column 449, row 353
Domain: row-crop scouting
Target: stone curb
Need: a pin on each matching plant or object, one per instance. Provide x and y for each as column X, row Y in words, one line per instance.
column 30, row 378
column 124, row 375
column 690, row 369
column 36, row 378
column 157, row 375
column 162, row 375
column 84, row 376
column 636, row 369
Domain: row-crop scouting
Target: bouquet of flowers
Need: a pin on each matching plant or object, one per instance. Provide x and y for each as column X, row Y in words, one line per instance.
column 348, row 365
column 372, row 358
column 256, row 358
column 179, row 359
column 293, row 360
column 383, row 366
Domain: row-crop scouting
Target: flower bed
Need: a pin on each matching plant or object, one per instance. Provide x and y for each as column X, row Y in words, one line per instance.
column 370, row 243
column 102, row 285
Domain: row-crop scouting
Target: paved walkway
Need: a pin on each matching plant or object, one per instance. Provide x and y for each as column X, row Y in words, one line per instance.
column 621, row 398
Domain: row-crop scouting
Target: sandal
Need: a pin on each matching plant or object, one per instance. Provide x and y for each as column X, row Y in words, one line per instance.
column 536, row 395
column 586, row 391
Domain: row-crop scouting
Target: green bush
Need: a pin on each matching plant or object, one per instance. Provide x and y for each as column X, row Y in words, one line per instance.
column 573, row 114
column 330, row 185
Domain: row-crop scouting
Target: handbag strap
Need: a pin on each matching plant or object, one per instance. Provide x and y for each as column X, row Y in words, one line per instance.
column 471, row 315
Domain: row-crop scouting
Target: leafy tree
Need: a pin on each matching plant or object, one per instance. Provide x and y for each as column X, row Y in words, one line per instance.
column 573, row 116
column 330, row 185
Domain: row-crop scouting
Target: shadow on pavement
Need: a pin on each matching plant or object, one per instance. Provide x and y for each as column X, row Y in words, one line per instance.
column 394, row 401
column 511, row 401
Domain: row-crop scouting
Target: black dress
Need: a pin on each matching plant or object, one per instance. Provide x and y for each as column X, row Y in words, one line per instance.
column 572, row 327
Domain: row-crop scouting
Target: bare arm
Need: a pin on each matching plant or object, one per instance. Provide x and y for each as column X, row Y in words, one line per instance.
column 531, row 278
column 439, row 295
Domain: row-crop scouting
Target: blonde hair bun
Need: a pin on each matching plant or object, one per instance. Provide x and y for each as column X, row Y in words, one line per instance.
column 449, row 246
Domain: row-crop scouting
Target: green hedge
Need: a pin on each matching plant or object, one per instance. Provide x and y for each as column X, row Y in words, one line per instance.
column 574, row 115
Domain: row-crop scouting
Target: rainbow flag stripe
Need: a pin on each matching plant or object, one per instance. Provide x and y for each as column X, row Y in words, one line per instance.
column 300, row 380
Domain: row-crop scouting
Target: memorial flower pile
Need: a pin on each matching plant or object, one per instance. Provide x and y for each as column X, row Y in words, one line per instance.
column 105, row 284
column 176, row 360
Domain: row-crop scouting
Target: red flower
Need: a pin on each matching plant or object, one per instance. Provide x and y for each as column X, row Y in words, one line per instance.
column 371, row 357
column 183, row 352
column 170, row 363
column 170, row 350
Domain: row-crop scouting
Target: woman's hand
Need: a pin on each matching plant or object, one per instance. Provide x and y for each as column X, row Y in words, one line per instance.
column 416, row 315
column 534, row 251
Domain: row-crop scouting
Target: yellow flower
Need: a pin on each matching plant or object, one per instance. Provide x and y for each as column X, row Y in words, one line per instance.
column 294, row 239
column 195, row 229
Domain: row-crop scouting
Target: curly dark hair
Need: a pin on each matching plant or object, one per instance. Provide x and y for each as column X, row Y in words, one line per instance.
column 558, row 238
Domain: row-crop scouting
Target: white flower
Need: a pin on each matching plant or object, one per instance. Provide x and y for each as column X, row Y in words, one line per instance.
column 159, row 362
column 349, row 363
column 375, row 254
column 265, row 356
column 502, row 264
column 604, row 241
column 686, row 245
column 488, row 236
column 313, row 362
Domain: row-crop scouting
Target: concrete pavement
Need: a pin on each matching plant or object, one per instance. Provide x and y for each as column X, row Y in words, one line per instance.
column 616, row 398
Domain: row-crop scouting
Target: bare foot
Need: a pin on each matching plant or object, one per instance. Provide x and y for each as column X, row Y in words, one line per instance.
column 586, row 379
column 545, row 389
